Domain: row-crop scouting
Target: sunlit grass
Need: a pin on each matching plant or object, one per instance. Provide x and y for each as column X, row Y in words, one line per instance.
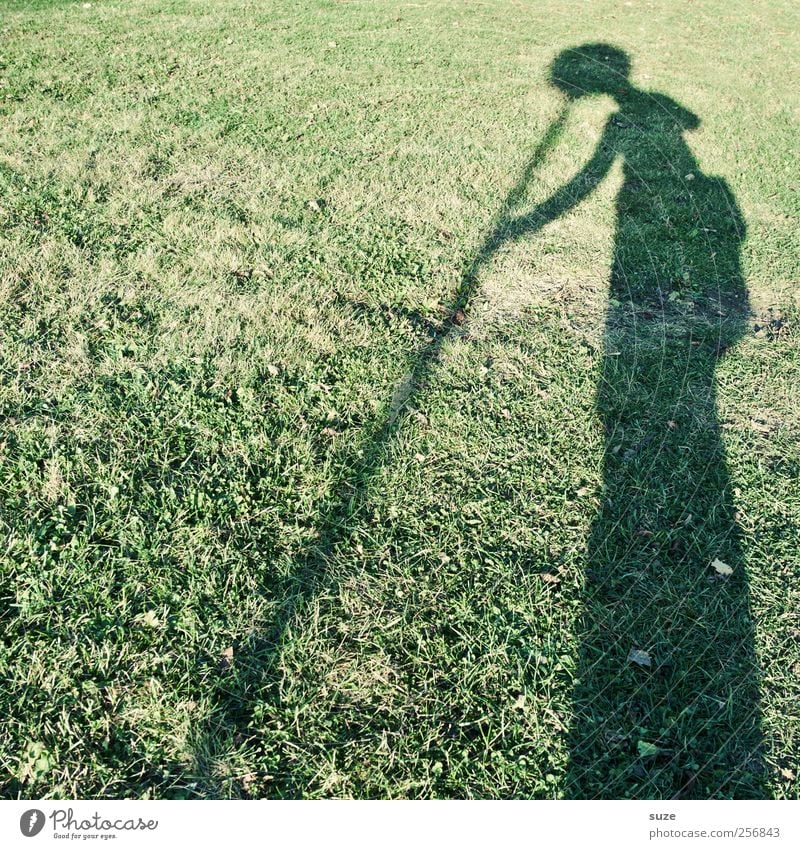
column 227, row 231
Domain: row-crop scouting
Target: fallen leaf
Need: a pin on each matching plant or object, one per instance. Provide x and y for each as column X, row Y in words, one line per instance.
column 614, row 738
column 787, row 774
column 722, row 568
column 242, row 274
column 647, row 750
column 38, row 762
column 402, row 393
column 150, row 619
column 549, row 578
column 226, row 658
column 640, row 658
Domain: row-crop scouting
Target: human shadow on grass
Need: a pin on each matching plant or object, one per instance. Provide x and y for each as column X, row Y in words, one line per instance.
column 665, row 700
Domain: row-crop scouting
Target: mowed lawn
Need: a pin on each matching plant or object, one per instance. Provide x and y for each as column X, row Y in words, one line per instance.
column 276, row 521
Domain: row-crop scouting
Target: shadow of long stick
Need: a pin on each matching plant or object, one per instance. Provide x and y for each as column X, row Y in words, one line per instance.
column 335, row 523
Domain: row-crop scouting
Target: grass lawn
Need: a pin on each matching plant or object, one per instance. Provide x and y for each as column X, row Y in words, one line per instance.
column 394, row 405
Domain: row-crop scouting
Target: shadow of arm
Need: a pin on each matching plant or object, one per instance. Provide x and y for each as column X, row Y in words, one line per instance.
column 561, row 201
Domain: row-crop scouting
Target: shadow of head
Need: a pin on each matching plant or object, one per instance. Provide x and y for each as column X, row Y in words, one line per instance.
column 591, row 69
column 599, row 68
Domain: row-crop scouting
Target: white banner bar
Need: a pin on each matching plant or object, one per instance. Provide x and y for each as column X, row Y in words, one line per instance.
column 366, row 825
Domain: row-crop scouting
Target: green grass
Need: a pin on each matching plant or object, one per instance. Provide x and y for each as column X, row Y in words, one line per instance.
column 276, row 522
